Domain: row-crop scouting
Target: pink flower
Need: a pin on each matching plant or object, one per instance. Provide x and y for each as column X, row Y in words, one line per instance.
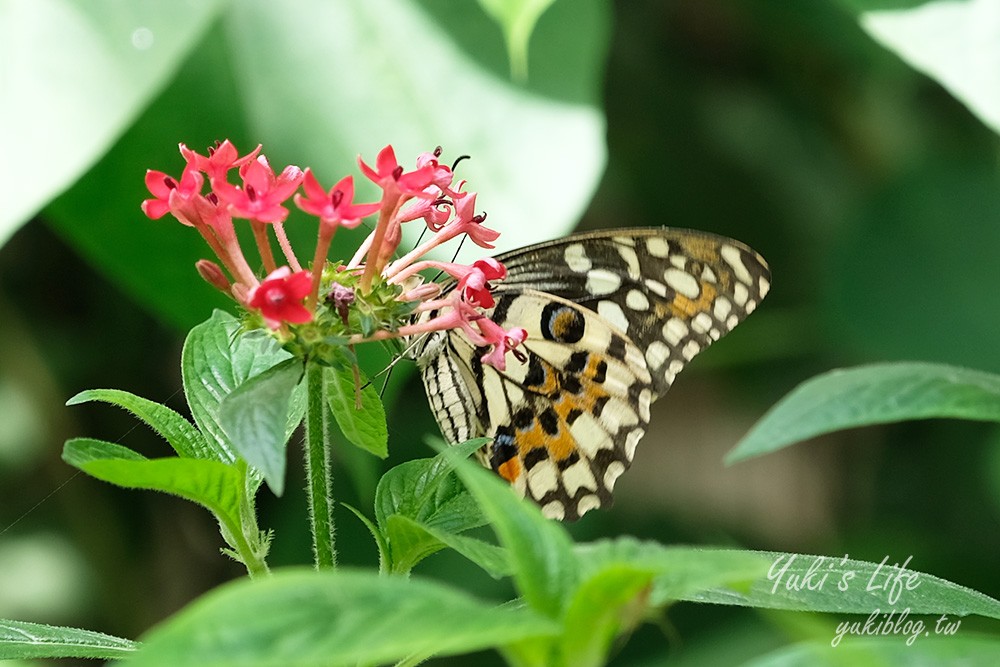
column 503, row 341
column 389, row 175
column 166, row 190
column 262, row 193
column 474, row 285
column 442, row 174
column 279, row 297
column 435, row 212
column 335, row 206
column 467, row 222
column 221, row 158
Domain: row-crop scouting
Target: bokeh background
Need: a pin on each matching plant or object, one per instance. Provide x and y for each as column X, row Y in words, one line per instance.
column 871, row 189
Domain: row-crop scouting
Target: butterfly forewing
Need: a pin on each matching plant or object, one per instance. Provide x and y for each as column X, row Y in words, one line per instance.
column 612, row 317
column 672, row 292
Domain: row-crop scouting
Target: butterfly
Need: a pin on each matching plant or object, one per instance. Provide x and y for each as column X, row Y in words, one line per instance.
column 612, row 317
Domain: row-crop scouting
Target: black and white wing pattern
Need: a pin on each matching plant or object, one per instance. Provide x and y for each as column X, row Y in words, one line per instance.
column 612, row 317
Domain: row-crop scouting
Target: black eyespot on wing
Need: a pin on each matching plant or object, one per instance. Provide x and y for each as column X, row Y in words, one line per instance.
column 561, row 323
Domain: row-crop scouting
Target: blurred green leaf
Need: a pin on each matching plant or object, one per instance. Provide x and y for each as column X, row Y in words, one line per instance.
column 213, row 485
column 175, row 429
column 387, row 57
column 679, row 571
column 907, row 275
column 363, row 426
column 517, row 19
column 84, row 72
column 876, row 394
column 540, row 550
column 957, row 43
column 931, row 651
column 255, row 416
column 217, row 358
column 20, row 640
column 841, row 585
column 317, row 619
column 606, row 604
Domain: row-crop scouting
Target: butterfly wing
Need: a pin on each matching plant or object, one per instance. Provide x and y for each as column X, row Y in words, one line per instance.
column 673, row 292
column 612, row 317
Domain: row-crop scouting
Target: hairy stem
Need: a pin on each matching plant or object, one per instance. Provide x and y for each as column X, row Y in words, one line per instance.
column 318, row 468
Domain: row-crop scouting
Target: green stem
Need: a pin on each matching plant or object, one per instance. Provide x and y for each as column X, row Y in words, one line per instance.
column 318, row 467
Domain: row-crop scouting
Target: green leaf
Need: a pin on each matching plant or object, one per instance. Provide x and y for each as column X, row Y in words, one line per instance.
column 623, row 578
column 427, row 491
column 517, row 19
column 841, row 585
column 255, row 416
column 409, row 542
column 308, row 121
column 21, row 641
column 540, row 550
column 955, row 43
column 679, row 571
column 931, row 651
column 217, row 358
column 327, row 619
column 86, row 72
column 605, row 605
column 876, row 394
column 211, row 484
column 421, row 508
column 175, row 429
column 365, row 426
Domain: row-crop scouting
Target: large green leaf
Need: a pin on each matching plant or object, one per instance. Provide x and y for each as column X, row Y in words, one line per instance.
column 175, row 429
column 20, row 640
column 957, row 42
column 517, row 18
column 326, row 619
column 84, row 71
column 679, row 571
column 847, row 586
column 875, row 394
column 381, row 83
column 923, row 650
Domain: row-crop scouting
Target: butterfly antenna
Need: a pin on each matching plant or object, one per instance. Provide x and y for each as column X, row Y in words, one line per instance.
column 453, row 258
column 399, row 357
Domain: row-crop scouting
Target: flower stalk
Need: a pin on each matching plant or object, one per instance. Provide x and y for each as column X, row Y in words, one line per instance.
column 319, row 487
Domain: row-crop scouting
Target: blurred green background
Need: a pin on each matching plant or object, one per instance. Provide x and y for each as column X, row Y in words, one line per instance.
column 873, row 192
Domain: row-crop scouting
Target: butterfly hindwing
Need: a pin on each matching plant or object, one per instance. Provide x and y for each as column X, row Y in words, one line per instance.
column 612, row 317
column 565, row 422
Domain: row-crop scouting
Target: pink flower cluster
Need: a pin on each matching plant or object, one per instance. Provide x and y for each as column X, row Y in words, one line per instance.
column 290, row 295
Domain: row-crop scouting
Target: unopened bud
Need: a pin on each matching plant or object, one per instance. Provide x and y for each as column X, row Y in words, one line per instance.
column 341, row 298
column 213, row 275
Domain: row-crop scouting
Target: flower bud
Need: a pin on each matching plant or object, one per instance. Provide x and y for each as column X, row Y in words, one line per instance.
column 213, row 275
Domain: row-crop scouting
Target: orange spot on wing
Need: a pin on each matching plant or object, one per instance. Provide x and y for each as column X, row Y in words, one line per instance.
column 510, row 470
column 686, row 308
